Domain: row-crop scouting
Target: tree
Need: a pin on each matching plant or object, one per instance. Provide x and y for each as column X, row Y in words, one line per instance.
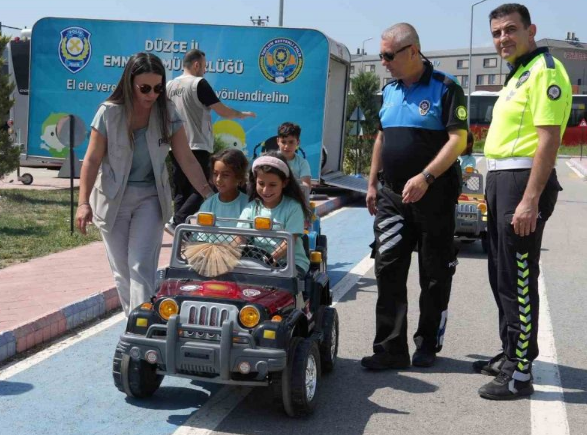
column 358, row 150
column 9, row 154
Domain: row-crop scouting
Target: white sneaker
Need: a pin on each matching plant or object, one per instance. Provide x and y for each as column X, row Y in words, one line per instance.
column 170, row 228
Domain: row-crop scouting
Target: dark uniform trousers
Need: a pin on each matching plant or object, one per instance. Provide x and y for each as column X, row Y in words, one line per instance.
column 428, row 224
column 186, row 200
column 513, row 265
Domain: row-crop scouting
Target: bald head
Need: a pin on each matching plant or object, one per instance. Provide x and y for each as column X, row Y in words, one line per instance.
column 402, row 34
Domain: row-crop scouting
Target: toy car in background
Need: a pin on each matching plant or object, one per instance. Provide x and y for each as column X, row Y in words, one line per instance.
column 471, row 210
column 257, row 325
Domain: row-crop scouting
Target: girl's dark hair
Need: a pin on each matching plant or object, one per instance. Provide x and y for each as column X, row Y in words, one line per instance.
column 470, row 143
column 233, row 158
column 141, row 63
column 291, row 189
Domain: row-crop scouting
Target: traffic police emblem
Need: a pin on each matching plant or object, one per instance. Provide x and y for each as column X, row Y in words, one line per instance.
column 74, row 48
column 424, row 107
column 523, row 79
column 553, row 92
column 281, row 60
column 461, row 113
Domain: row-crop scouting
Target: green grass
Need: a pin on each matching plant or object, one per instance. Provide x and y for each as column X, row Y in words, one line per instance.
column 35, row 223
column 562, row 151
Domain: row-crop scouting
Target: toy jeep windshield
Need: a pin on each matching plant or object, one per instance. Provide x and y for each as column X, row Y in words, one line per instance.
column 259, row 324
column 471, row 211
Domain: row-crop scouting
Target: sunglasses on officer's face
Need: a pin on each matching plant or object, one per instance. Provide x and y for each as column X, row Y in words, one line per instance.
column 145, row 89
column 389, row 56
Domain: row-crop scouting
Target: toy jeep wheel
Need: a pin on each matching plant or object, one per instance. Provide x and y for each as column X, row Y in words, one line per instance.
column 297, row 387
column 329, row 345
column 135, row 378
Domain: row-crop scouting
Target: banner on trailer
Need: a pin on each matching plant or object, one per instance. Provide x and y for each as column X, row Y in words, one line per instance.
column 278, row 73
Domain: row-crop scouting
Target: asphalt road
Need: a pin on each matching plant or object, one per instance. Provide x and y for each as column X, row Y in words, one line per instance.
column 71, row 390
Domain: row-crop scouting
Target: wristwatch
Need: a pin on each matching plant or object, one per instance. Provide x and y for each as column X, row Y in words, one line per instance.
column 428, row 177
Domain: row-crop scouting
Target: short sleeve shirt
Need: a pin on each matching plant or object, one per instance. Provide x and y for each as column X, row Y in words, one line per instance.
column 299, row 167
column 290, row 214
column 141, row 171
column 415, row 121
column 537, row 92
column 232, row 209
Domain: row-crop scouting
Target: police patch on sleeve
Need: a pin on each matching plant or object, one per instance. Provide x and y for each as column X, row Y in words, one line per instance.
column 553, row 92
column 461, row 113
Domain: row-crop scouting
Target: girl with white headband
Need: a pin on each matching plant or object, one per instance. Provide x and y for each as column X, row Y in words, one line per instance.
column 275, row 193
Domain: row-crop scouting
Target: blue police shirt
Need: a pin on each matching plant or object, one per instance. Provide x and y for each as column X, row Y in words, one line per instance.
column 415, row 121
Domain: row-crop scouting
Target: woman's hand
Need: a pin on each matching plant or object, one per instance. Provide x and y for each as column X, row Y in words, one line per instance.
column 83, row 217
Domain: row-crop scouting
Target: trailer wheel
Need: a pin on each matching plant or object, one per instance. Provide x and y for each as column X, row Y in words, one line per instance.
column 26, row 179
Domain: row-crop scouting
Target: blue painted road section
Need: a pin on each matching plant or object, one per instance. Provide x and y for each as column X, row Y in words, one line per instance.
column 72, row 392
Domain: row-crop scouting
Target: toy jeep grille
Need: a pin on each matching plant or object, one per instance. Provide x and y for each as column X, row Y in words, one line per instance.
column 206, row 314
column 467, row 211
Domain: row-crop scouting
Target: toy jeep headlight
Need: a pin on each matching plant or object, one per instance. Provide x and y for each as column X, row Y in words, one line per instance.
column 167, row 308
column 263, row 223
column 482, row 207
column 206, row 219
column 249, row 316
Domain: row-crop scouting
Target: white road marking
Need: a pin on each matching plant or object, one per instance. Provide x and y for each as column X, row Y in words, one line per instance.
column 333, row 213
column 575, row 170
column 351, row 278
column 209, row 416
column 547, row 406
column 14, row 369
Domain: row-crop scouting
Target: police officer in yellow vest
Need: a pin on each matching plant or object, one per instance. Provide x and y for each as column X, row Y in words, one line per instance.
column 529, row 119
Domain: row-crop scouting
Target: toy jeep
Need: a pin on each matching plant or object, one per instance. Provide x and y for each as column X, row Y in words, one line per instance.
column 471, row 211
column 257, row 325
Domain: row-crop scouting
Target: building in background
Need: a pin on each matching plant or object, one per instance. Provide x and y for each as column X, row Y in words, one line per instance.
column 488, row 69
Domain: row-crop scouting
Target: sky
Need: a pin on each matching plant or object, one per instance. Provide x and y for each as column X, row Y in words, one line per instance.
column 440, row 24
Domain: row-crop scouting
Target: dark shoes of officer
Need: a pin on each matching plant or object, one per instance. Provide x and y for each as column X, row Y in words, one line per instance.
column 385, row 361
column 491, row 367
column 505, row 387
column 423, row 358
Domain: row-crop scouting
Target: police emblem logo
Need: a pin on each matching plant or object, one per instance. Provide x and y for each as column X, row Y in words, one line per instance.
column 281, row 60
column 461, row 113
column 523, row 79
column 553, row 92
column 75, row 48
column 424, row 107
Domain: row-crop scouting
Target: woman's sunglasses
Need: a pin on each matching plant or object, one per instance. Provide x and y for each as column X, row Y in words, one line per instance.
column 390, row 56
column 145, row 89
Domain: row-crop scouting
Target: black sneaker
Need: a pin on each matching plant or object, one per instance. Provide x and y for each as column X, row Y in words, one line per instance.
column 385, row 360
column 491, row 367
column 505, row 387
column 423, row 358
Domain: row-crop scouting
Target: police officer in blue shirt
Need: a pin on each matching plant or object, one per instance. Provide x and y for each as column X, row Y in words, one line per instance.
column 423, row 130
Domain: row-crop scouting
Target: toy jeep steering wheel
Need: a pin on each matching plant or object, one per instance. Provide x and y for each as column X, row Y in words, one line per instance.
column 257, row 253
